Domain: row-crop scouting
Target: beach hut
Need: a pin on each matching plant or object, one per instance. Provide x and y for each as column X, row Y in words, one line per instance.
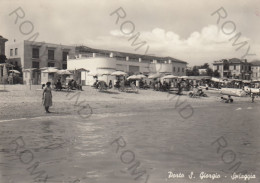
column 48, row 74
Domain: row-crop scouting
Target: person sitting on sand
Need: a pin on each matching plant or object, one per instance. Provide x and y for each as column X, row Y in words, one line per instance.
column 95, row 84
column 110, row 85
column 58, row 85
column 117, row 84
column 179, row 88
column 70, row 84
column 227, row 100
column 79, row 86
column 47, row 97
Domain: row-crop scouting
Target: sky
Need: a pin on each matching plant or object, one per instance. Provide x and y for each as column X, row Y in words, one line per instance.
column 188, row 30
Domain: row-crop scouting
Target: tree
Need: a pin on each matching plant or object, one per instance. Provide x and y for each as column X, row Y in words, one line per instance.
column 209, row 72
column 2, row 58
column 195, row 71
column 216, row 74
column 204, row 66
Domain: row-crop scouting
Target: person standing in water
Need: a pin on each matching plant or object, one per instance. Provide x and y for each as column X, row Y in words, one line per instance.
column 47, row 97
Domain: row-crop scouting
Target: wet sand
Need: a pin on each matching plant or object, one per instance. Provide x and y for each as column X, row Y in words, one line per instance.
column 153, row 128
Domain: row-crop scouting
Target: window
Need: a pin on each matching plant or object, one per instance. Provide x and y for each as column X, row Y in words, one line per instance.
column 178, row 69
column 16, row 63
column 134, row 69
column 35, row 53
column 217, row 67
column 35, row 64
column 235, row 67
column 182, row 69
column 226, row 66
column 64, row 66
column 11, row 52
column 64, row 56
column 242, row 67
column 16, row 51
column 51, row 64
column 51, row 54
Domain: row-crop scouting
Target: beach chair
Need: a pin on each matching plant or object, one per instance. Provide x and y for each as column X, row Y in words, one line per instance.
column 197, row 92
column 102, row 86
column 227, row 100
column 131, row 89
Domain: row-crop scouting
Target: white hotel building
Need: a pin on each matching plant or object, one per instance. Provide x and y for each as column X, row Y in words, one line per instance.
column 105, row 62
column 33, row 57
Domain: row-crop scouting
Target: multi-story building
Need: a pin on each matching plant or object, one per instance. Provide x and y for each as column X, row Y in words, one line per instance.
column 233, row 68
column 255, row 68
column 31, row 56
column 2, row 45
column 105, row 61
column 2, row 53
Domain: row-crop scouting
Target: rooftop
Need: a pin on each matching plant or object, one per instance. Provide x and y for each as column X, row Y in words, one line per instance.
column 230, row 61
column 255, row 63
column 85, row 49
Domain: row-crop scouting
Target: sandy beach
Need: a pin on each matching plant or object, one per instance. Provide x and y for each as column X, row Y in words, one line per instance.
column 163, row 132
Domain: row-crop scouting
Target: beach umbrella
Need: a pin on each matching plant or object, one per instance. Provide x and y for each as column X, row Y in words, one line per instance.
column 256, row 80
column 46, row 68
column 82, row 69
column 64, row 72
column 206, row 77
column 169, row 77
column 246, row 81
column 183, row 77
column 141, row 75
column 104, row 72
column 134, row 77
column 215, row 79
column 50, row 70
column 154, row 76
column 118, row 73
column 14, row 71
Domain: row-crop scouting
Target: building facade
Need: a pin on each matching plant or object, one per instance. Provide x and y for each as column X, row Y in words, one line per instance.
column 31, row 56
column 233, row 68
column 2, row 53
column 104, row 61
column 255, row 67
column 34, row 57
column 2, row 45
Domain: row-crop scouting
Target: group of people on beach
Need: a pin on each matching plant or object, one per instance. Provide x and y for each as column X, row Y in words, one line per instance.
column 72, row 84
column 155, row 85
